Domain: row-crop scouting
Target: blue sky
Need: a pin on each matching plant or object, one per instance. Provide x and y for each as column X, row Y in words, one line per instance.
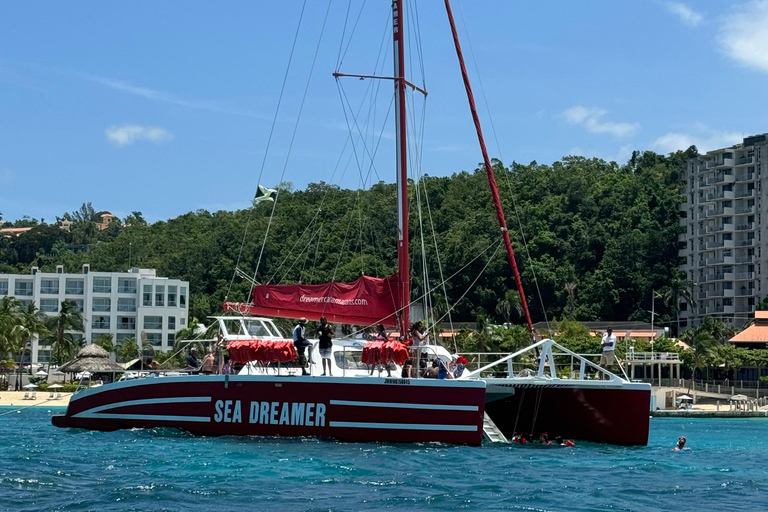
column 166, row 107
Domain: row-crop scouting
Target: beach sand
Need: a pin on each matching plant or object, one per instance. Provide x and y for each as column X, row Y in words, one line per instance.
column 16, row 399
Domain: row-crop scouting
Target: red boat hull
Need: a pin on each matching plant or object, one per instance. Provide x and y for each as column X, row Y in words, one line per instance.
column 610, row 413
column 346, row 408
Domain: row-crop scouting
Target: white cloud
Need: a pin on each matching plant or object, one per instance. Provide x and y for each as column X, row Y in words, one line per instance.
column 129, row 133
column 744, row 35
column 592, row 120
column 685, row 13
column 6, row 175
column 704, row 138
column 620, row 156
column 164, row 97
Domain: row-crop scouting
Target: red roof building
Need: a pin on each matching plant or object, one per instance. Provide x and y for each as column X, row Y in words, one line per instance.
column 754, row 336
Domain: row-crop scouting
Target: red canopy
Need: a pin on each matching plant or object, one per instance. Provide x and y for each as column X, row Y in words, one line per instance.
column 376, row 352
column 366, row 301
column 262, row 351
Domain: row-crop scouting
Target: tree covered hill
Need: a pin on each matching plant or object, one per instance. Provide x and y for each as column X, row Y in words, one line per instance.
column 600, row 237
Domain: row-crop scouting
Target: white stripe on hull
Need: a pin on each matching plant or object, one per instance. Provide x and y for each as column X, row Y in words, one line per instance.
column 152, row 417
column 404, row 426
column 400, row 405
column 95, row 412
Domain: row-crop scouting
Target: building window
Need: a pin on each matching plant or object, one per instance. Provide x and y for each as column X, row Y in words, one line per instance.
column 24, row 304
column 78, row 304
column 171, row 323
column 43, row 355
column 74, row 287
column 102, row 285
column 49, row 305
column 102, row 304
column 126, row 285
column 153, row 322
column 147, row 295
column 183, row 297
column 171, row 338
column 126, row 323
column 171, row 296
column 24, row 288
column 126, row 304
column 3, row 287
column 183, row 321
column 159, row 295
column 155, row 338
column 49, row 286
column 100, row 322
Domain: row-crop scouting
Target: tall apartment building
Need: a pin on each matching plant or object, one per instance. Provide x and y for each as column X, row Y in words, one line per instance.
column 136, row 303
column 725, row 231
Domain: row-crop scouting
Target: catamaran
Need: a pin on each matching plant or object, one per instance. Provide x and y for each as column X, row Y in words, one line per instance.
column 271, row 397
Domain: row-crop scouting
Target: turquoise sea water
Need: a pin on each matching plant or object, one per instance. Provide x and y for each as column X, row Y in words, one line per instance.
column 46, row 468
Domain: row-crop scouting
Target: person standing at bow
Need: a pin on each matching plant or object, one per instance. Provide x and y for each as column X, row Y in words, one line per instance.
column 608, row 344
column 324, row 334
column 301, row 343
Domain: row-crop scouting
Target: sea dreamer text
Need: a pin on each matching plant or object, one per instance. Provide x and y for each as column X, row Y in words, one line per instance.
column 271, row 413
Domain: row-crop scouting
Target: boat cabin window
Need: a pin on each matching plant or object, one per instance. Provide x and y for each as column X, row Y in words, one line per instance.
column 258, row 328
column 234, row 327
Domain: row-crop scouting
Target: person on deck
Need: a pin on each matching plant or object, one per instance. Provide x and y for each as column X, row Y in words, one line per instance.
column 227, row 368
column 301, row 343
column 324, row 334
column 608, row 344
column 192, row 363
column 419, row 336
column 433, row 372
column 207, row 367
column 408, row 371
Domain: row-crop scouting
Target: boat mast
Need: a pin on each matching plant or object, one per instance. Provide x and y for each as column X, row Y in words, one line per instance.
column 489, row 170
column 404, row 276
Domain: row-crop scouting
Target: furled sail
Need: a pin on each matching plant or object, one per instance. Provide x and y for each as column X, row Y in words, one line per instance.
column 365, row 301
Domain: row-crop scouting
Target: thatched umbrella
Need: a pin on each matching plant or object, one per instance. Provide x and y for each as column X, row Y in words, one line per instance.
column 92, row 359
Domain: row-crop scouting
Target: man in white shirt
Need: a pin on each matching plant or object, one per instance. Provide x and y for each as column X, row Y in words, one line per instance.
column 608, row 357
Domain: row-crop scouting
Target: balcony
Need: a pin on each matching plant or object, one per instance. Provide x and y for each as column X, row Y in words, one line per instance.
column 721, row 178
column 745, row 227
column 715, row 293
column 747, row 176
column 716, row 212
column 715, row 245
column 702, row 295
column 746, row 243
column 720, row 163
column 682, row 253
column 725, row 194
column 724, row 227
column 744, row 260
column 715, row 261
column 744, row 210
column 745, row 276
column 745, row 193
column 745, row 292
column 745, row 160
column 744, row 309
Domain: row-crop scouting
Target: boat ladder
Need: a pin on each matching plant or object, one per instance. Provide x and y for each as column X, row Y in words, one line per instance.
column 491, row 432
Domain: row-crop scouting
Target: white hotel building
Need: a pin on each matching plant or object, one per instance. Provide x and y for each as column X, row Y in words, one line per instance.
column 129, row 304
column 724, row 231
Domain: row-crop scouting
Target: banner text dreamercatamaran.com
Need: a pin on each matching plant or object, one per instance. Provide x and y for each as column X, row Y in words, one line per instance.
column 334, row 300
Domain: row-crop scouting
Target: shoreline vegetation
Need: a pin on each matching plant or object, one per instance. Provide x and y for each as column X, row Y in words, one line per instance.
column 602, row 239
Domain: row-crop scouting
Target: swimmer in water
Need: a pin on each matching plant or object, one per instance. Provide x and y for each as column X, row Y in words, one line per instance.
column 680, row 444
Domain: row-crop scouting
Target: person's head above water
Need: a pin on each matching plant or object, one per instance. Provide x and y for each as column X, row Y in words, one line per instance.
column 681, row 441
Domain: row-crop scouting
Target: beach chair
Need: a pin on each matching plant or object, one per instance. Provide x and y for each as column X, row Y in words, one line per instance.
column 26, row 396
column 34, row 396
column 58, row 396
column 50, row 395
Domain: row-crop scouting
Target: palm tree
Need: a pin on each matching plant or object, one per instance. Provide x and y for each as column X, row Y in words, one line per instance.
column 10, row 314
column 701, row 343
column 679, row 289
column 570, row 289
column 510, row 302
column 63, row 344
column 106, row 342
column 128, row 349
